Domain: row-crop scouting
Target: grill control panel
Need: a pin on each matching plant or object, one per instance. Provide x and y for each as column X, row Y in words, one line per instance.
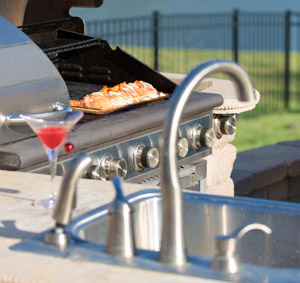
column 138, row 159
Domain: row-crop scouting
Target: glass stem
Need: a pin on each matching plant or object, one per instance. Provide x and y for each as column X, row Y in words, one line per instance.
column 52, row 156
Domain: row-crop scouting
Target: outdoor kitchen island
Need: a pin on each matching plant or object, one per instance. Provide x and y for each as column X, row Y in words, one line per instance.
column 20, row 220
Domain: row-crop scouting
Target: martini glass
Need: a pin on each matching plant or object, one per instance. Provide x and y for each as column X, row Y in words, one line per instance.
column 52, row 129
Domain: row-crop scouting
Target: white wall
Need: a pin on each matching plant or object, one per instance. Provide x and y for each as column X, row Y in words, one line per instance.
column 129, row 8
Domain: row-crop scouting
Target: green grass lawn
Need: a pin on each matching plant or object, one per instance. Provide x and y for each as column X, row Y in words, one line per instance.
column 266, row 69
column 267, row 129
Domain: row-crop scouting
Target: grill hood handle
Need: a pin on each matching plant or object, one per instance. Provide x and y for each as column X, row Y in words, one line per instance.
column 14, row 120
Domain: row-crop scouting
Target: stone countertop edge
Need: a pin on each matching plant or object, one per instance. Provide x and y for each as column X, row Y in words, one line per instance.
column 20, row 220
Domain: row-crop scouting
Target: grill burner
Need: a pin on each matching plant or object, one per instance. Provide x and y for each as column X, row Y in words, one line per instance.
column 121, row 143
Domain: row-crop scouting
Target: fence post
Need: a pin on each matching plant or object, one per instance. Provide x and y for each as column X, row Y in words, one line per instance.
column 155, row 39
column 287, row 40
column 235, row 35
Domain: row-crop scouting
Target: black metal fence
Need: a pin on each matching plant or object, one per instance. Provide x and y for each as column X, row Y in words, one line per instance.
column 266, row 44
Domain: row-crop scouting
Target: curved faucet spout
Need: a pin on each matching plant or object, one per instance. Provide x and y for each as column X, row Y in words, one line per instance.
column 66, row 199
column 172, row 246
column 64, row 206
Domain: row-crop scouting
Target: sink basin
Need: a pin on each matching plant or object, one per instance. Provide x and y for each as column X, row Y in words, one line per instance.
column 204, row 218
column 263, row 256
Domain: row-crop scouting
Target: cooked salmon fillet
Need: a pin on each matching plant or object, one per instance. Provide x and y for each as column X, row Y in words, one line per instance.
column 119, row 96
column 76, row 103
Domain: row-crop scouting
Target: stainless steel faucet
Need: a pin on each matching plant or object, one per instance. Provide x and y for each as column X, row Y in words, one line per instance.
column 172, row 246
column 66, row 200
column 120, row 238
column 226, row 259
column 120, row 235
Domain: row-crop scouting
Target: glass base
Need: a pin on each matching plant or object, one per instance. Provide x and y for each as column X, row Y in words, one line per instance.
column 45, row 203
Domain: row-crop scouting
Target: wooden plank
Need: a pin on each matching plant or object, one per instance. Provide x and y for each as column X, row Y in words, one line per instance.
column 111, row 110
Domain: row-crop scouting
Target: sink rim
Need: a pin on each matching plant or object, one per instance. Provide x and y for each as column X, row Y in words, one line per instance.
column 244, row 202
column 197, row 266
column 78, row 232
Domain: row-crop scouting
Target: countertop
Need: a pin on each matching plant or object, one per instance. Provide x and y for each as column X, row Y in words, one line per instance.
column 20, row 220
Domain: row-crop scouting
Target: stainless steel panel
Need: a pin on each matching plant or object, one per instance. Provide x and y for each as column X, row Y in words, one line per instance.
column 29, row 81
column 154, row 139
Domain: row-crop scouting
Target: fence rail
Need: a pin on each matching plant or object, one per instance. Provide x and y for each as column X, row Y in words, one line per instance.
column 265, row 44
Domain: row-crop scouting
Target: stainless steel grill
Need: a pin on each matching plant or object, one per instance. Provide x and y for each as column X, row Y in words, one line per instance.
column 50, row 61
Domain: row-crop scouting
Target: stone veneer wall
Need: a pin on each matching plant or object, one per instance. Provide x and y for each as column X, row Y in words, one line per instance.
column 269, row 172
column 219, row 167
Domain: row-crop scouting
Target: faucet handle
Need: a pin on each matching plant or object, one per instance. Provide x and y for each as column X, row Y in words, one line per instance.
column 67, row 200
column 225, row 260
column 119, row 198
column 120, row 240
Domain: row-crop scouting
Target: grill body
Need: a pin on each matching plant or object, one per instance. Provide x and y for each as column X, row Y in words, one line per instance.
column 53, row 61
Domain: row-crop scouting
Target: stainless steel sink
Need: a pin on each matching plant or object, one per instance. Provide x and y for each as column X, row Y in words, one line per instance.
column 272, row 257
column 204, row 218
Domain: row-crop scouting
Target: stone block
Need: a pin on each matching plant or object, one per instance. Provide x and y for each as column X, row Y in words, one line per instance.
column 220, row 164
column 293, row 156
column 224, row 188
column 294, row 187
column 225, row 139
column 268, row 164
column 294, row 169
column 260, row 193
column 278, row 191
column 294, row 200
column 243, row 182
column 295, row 143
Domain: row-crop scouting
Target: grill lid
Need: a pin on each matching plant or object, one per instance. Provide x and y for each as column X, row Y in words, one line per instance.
column 27, row 12
column 29, row 83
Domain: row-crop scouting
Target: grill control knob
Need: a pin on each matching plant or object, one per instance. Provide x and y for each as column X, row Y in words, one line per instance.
column 227, row 125
column 96, row 172
column 145, row 157
column 182, row 147
column 203, row 137
column 113, row 167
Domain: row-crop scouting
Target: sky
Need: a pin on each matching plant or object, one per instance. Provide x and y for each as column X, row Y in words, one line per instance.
column 130, row 8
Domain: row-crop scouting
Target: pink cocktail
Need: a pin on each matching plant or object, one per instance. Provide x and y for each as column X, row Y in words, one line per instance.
column 52, row 137
column 52, row 130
